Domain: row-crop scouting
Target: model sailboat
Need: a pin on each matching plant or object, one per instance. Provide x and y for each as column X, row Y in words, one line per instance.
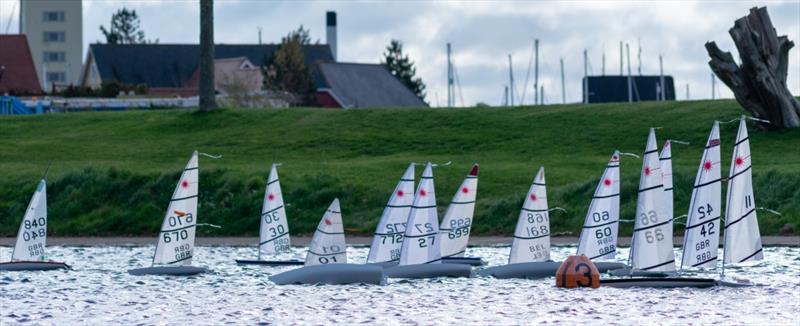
column 530, row 249
column 742, row 237
column 598, row 239
column 385, row 248
column 273, row 235
column 420, row 253
column 651, row 246
column 326, row 260
column 175, row 248
column 455, row 228
column 701, row 238
column 29, row 251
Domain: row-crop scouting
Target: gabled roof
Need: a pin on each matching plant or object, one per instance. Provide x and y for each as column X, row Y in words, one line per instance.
column 358, row 85
column 17, row 72
column 171, row 65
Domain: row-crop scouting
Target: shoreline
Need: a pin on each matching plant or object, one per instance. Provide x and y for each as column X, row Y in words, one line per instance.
column 304, row 240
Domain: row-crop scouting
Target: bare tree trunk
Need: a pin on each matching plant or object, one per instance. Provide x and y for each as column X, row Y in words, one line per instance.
column 207, row 96
column 759, row 83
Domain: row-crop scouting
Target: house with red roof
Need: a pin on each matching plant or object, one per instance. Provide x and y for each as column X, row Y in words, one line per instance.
column 17, row 72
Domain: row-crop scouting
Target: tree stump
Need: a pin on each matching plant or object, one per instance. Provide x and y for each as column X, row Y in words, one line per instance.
column 759, row 82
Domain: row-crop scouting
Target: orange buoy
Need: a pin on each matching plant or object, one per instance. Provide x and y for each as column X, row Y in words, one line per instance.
column 577, row 271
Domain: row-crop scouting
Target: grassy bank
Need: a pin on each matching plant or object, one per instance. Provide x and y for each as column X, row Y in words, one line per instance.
column 113, row 172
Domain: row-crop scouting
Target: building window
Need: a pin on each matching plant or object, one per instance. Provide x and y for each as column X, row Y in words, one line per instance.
column 53, row 16
column 56, row 77
column 54, row 36
column 54, row 56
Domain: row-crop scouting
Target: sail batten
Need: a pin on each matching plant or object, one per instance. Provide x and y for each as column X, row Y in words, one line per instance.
column 742, row 237
column 388, row 236
column 599, row 235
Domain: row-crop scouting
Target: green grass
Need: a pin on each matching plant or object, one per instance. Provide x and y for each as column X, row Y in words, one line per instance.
column 112, row 172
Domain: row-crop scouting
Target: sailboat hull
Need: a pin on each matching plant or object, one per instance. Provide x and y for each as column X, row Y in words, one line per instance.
column 428, row 271
column 168, row 270
column 332, row 274
column 659, row 282
column 32, row 266
column 472, row 261
column 270, row 262
column 535, row 270
column 532, row 270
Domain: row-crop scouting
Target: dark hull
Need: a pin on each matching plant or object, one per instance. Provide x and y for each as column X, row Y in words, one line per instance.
column 533, row 270
column 659, row 282
column 428, row 271
column 269, row 262
column 168, row 270
column 32, row 266
column 332, row 274
column 472, row 261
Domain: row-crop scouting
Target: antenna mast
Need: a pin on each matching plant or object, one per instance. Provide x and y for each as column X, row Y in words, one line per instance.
column 621, row 61
column 713, row 87
column 603, row 69
column 640, row 56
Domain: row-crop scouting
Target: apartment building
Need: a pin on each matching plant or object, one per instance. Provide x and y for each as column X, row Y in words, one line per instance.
column 54, row 29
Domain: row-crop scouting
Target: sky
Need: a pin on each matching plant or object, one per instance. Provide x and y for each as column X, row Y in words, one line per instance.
column 482, row 34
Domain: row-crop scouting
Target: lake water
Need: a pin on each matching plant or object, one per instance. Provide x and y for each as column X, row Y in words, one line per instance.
column 99, row 291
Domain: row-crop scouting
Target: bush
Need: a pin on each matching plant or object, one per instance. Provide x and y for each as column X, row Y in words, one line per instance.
column 141, row 89
column 110, row 89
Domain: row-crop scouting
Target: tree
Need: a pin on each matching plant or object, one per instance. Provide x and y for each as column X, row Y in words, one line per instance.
column 286, row 70
column 124, row 28
column 403, row 68
column 759, row 82
column 207, row 92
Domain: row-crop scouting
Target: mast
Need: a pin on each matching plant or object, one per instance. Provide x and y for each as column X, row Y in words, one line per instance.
column 536, row 71
column 603, row 71
column 450, row 89
column 511, row 79
column 713, row 86
column 621, row 61
column 541, row 95
column 630, row 82
column 662, row 94
column 563, row 89
column 639, row 55
column 585, row 76
column 687, row 91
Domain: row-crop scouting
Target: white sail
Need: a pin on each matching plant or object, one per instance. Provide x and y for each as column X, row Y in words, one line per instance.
column 665, row 159
column 455, row 227
column 328, row 244
column 274, row 231
column 32, row 233
column 389, row 232
column 176, row 239
column 599, row 234
column 419, row 241
column 651, row 247
column 701, row 237
column 532, row 234
column 742, row 238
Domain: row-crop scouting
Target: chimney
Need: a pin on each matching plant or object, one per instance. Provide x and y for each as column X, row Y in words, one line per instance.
column 330, row 26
